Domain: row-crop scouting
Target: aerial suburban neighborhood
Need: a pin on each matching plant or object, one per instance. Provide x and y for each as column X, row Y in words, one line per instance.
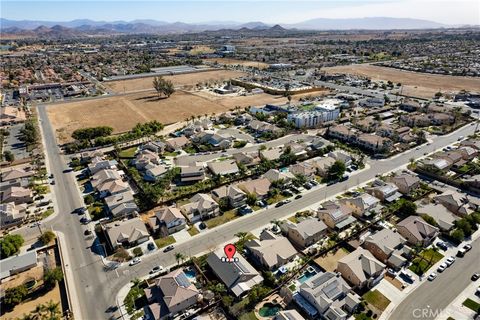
column 323, row 169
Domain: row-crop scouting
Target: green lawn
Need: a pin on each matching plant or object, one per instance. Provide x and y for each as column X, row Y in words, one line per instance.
column 275, row 199
column 193, row 231
column 469, row 303
column 362, row 316
column 227, row 216
column 377, row 299
column 430, row 257
column 293, row 219
column 248, row 316
column 127, row 153
column 163, row 242
column 47, row 213
column 170, row 154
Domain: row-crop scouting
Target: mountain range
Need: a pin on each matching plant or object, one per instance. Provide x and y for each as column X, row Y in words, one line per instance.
column 86, row 26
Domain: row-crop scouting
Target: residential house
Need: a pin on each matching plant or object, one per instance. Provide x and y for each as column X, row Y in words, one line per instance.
column 223, row 167
column 275, row 175
column 125, row 209
column 215, row 140
column 247, row 159
column 167, row 220
column 406, row 183
column 336, row 217
column 175, row 144
column 291, row 314
column 11, row 214
column 388, row 246
column 154, row 146
column 99, row 163
column 192, row 174
column 154, row 172
column 271, row 154
column 361, row 268
column 362, row 206
column 366, row 125
column 305, row 233
column 171, row 294
column 341, row 156
column 417, row 231
column 109, row 182
column 304, row 168
column 342, row 133
column 374, row 143
column 17, row 195
column 322, row 164
column 327, row 296
column 386, row 192
column 444, row 218
column 410, row 105
column 271, row 251
column 261, row 127
column 258, row 187
column 456, row 202
column 200, row 207
column 145, row 157
column 238, row 276
column 126, row 233
column 16, row 173
column 125, row 200
column 19, row 263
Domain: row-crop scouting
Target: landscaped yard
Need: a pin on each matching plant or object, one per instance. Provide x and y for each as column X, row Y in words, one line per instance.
column 377, row 299
column 469, row 303
column 275, row 199
column 193, row 231
column 426, row 259
column 227, row 216
column 248, row 316
column 127, row 153
column 163, row 242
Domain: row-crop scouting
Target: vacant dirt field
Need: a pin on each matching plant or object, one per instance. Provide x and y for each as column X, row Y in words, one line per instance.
column 228, row 61
column 180, row 80
column 329, row 261
column 415, row 84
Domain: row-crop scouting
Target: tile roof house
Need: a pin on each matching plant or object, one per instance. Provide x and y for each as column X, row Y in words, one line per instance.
column 271, row 251
column 154, row 146
column 326, row 295
column 337, row 217
column 238, row 276
column 177, row 143
column 341, row 132
column 259, row 187
column 145, row 157
column 417, row 231
column 362, row 205
column 444, row 218
column 248, row 159
column 223, row 167
column 456, row 202
column 200, row 207
column 322, row 164
column 167, row 220
column 374, row 143
column 14, row 174
column 11, row 214
column 18, row 195
column 235, row 196
column 192, row 174
column 361, row 268
column 171, row 294
column 387, row 192
column 154, row 172
column 406, row 183
column 306, row 232
column 304, row 168
column 276, row 175
column 100, row 163
column 119, row 199
column 126, row 233
column 387, row 246
column 271, row 154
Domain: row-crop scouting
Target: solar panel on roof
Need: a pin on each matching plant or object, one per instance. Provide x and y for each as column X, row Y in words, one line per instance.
column 182, row 280
column 331, row 290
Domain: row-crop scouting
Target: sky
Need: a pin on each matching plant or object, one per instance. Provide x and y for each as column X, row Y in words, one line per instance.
column 268, row 11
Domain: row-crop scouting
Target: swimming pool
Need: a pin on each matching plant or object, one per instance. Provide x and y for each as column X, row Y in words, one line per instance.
column 305, row 276
column 269, row 310
column 190, row 273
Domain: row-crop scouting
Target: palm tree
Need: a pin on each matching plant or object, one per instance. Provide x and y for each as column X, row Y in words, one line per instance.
column 179, row 257
column 53, row 310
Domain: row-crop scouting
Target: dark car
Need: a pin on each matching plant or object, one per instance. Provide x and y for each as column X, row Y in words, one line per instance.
column 442, row 245
column 53, row 182
column 168, row 248
column 151, row 246
column 307, row 186
column 67, row 170
column 202, row 226
column 298, row 196
column 475, row 276
column 295, row 190
column 85, row 220
column 80, row 210
column 279, row 204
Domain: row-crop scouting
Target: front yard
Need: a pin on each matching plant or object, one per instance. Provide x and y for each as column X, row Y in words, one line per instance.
column 469, row 303
column 376, row 299
column 225, row 217
column 425, row 260
column 163, row 242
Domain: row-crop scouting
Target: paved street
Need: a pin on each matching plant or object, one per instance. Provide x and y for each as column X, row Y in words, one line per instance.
column 428, row 300
column 96, row 289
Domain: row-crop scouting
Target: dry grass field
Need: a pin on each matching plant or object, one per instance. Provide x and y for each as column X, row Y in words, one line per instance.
column 228, row 61
column 180, row 80
column 415, row 84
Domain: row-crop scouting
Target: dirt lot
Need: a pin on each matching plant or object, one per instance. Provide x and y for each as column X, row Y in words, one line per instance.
column 29, row 306
column 329, row 261
column 180, row 80
column 415, row 84
column 228, row 61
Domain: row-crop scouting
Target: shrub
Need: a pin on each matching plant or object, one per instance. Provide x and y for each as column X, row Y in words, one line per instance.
column 47, row 237
column 14, row 296
column 10, row 244
column 51, row 277
column 137, row 251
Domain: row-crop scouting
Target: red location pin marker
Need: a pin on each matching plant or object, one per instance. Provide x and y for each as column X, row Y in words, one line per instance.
column 230, row 250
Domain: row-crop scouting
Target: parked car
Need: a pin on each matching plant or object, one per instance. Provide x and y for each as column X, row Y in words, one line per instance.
column 168, row 248
column 461, row 252
column 202, row 226
column 150, row 246
column 87, row 232
column 80, row 210
column 442, row 267
column 467, row 247
column 450, row 260
column 298, row 196
column 442, row 245
column 475, row 276
column 407, row 277
column 85, row 220
column 279, row 204
column 135, row 261
column 156, row 269
column 432, row 276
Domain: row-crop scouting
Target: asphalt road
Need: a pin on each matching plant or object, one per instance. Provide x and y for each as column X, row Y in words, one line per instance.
column 431, row 297
column 96, row 289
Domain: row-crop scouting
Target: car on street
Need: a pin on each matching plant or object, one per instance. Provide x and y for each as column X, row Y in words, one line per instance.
column 279, row 204
column 432, row 276
column 298, row 196
column 461, row 252
column 80, row 210
column 467, row 247
column 168, row 248
column 442, row 267
column 475, row 276
column 135, row 261
column 85, row 220
column 156, row 269
column 450, row 260
column 307, row 186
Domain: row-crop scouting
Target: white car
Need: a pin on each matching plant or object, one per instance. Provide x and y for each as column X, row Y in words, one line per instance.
column 442, row 267
column 450, row 260
column 432, row 276
column 135, row 261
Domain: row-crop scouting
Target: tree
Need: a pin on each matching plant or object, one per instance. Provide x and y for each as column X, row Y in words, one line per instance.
column 10, row 244
column 14, row 296
column 429, row 219
column 47, row 237
column 406, row 207
column 163, row 86
column 457, row 235
column 52, row 276
column 157, row 85
column 464, row 225
column 179, row 257
column 8, row 155
column 137, row 251
column 336, row 170
column 251, row 199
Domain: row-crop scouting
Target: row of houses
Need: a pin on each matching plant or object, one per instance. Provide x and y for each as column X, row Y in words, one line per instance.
column 368, row 141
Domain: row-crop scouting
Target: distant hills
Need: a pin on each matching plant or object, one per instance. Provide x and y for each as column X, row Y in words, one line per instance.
column 81, row 27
